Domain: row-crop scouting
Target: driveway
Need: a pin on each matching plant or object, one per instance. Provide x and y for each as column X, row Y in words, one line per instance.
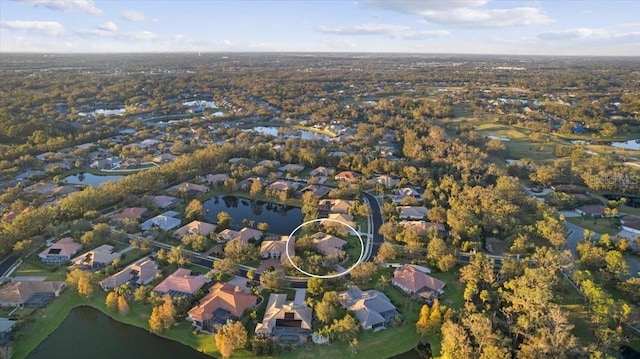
column 300, row 294
column 239, row 281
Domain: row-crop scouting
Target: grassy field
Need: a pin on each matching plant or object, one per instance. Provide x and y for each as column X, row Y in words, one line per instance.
column 32, row 266
column 598, row 225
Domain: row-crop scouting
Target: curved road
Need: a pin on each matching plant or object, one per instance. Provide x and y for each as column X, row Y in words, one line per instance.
column 377, row 220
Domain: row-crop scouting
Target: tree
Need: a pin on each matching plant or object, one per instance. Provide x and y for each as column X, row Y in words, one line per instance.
column 363, row 272
column 386, row 252
column 224, row 220
column 309, row 206
column 163, row 315
column 263, row 226
column 231, row 336
column 141, row 294
column 436, row 249
column 256, row 188
column 194, row 210
column 345, row 329
column 226, row 266
column 85, row 287
column 327, row 309
column 422, row 325
column 176, row 256
column 315, row 286
column 273, row 280
column 112, row 301
column 617, row 266
column 251, row 274
column 455, row 341
column 447, row 262
column 123, row 306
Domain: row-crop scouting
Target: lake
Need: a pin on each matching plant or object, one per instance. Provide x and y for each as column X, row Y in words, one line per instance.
column 88, row 333
column 281, row 219
column 289, row 132
column 629, row 145
column 90, row 179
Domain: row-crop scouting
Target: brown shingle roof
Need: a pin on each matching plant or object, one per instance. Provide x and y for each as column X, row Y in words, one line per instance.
column 181, row 281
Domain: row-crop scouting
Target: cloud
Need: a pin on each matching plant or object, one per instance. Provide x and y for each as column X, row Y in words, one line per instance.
column 465, row 13
column 586, row 34
column 340, row 43
column 86, row 6
column 394, row 31
column 108, row 26
column 51, row 28
column 134, row 16
column 142, row 36
column 364, row 29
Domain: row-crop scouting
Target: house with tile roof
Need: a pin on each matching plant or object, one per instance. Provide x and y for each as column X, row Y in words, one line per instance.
column 373, row 308
column 130, row 212
column 285, row 321
column 335, row 205
column 181, row 283
column 276, row 247
column 415, row 282
column 412, row 212
column 139, row 272
column 197, row 227
column 60, row 252
column 223, row 302
column 348, row 176
column 329, row 245
column 29, row 294
column 96, row 258
column 343, row 218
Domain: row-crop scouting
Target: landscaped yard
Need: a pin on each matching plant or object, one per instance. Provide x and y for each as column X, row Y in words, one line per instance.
column 598, row 225
column 32, row 266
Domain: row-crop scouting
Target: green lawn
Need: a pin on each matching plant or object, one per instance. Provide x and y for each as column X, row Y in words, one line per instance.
column 32, row 266
column 598, row 225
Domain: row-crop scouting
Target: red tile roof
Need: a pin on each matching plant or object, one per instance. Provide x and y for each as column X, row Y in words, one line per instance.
column 225, row 296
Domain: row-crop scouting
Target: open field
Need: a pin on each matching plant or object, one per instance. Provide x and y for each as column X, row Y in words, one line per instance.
column 598, row 225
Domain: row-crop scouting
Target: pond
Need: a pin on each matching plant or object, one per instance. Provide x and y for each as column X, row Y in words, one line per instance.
column 90, row 179
column 629, row 145
column 281, row 219
column 289, row 132
column 88, row 333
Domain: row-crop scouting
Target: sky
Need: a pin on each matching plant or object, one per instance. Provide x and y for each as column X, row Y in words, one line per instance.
column 551, row 27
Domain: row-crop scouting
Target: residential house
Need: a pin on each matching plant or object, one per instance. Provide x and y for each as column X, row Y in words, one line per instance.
column 244, row 235
column 181, row 283
column 282, row 186
column 275, row 248
column 412, row 212
column 385, row 180
column 223, row 302
column 165, row 221
column 335, row 205
column 341, row 217
column 372, row 308
column 165, row 202
column 29, row 294
column 164, row 158
column 217, row 179
column 329, row 245
column 285, row 321
column 318, row 191
column 422, row 227
column 591, row 210
column 291, row 167
column 63, row 191
column 415, row 282
column 60, row 252
column 405, row 192
column 269, row 163
column 131, row 162
column 348, row 176
column 106, row 163
column 96, row 258
column 321, row 172
column 197, row 227
column 43, row 188
column 190, row 189
column 139, row 272
column 130, row 213
column 6, row 331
